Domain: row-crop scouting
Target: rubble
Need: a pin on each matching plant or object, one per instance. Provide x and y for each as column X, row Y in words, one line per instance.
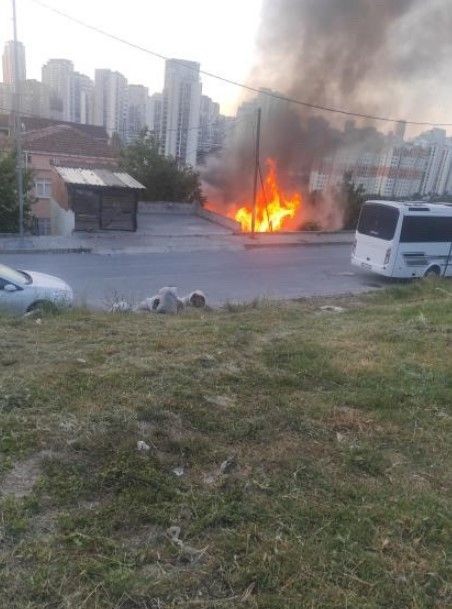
column 196, row 299
column 229, row 465
column 142, row 446
column 148, row 305
column 166, row 301
column 332, row 309
column 121, row 306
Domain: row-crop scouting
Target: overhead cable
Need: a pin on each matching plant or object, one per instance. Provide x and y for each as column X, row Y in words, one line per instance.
column 259, row 90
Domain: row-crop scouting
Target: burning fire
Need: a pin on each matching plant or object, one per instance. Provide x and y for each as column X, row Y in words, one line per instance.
column 274, row 208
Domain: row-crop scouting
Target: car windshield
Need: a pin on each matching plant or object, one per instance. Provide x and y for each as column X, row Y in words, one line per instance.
column 15, row 277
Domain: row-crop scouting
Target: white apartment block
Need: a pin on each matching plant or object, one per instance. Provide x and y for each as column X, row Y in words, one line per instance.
column 154, row 114
column 82, row 99
column 394, row 171
column 57, row 75
column 35, row 99
column 110, row 102
column 208, row 123
column 181, row 106
column 422, row 167
column 137, row 110
column 438, row 175
column 8, row 62
column 6, row 97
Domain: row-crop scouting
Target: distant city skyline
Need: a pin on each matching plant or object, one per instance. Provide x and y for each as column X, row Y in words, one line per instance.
column 202, row 31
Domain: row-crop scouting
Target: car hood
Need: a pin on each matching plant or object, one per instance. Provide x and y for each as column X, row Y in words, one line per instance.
column 42, row 280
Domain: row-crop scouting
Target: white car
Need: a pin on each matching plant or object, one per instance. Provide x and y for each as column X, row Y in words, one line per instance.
column 25, row 291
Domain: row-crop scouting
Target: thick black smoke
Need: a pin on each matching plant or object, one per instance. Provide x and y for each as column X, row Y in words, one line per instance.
column 364, row 55
column 383, row 57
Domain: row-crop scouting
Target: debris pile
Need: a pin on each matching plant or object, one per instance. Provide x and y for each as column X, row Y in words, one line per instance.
column 166, row 302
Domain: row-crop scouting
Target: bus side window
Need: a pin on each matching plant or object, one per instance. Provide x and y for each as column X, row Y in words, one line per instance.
column 423, row 229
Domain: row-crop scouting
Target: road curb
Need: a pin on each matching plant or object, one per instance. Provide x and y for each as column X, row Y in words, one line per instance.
column 293, row 244
column 77, row 250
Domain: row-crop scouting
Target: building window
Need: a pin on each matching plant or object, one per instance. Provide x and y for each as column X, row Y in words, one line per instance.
column 43, row 189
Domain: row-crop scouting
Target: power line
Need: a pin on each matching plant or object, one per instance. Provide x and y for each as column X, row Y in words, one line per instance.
column 235, row 83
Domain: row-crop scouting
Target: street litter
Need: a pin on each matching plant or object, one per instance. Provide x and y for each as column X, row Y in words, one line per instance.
column 120, row 307
column 166, row 301
column 179, row 471
column 187, row 553
column 332, row 309
column 228, row 465
column 142, row 446
column 196, row 299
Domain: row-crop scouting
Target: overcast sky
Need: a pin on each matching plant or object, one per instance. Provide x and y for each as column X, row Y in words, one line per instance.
column 220, row 35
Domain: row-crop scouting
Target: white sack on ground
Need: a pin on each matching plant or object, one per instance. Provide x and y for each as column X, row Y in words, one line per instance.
column 148, row 305
column 120, row 307
column 169, row 303
column 196, row 299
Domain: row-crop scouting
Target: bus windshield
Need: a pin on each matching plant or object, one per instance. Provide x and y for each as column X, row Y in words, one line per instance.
column 378, row 220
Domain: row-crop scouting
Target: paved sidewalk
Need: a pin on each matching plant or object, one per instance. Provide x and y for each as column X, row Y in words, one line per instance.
column 167, row 232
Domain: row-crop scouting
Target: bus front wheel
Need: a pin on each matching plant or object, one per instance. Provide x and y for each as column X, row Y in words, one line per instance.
column 433, row 271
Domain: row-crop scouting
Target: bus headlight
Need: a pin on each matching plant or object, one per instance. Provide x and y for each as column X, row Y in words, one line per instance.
column 388, row 256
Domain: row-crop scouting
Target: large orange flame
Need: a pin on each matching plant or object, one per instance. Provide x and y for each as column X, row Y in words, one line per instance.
column 274, row 208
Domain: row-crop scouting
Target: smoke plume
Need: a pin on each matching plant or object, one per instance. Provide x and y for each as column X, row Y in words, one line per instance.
column 383, row 57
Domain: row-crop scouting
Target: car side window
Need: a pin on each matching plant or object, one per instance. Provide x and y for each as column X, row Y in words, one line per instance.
column 2, row 283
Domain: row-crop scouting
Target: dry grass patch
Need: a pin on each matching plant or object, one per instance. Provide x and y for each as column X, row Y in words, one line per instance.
column 295, row 457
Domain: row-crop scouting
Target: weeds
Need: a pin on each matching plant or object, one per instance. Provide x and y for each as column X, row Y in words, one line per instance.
column 337, row 429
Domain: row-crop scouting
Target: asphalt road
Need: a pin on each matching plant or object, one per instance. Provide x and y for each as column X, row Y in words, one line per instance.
column 237, row 276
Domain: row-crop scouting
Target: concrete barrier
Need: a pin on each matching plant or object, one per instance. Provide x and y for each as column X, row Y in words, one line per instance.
column 211, row 216
column 167, row 207
column 42, row 244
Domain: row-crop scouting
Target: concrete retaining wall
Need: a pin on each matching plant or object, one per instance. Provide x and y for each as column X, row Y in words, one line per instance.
column 166, row 207
column 44, row 243
column 211, row 216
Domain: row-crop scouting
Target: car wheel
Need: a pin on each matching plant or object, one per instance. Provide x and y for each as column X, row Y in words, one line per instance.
column 42, row 306
column 433, row 271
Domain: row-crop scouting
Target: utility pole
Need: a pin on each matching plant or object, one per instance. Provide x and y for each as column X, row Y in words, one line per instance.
column 18, row 127
column 256, row 171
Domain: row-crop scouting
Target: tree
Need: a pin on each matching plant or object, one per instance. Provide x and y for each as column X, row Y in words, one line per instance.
column 351, row 198
column 163, row 178
column 9, row 197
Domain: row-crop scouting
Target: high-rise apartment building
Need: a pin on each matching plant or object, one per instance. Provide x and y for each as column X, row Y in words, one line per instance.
column 110, row 102
column 35, row 99
column 181, row 105
column 9, row 62
column 6, row 97
column 154, row 114
column 82, row 106
column 208, row 119
column 438, row 175
column 137, row 109
column 58, row 76
column 388, row 171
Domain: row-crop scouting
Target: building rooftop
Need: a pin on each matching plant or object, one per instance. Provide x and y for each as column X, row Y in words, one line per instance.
column 32, row 123
column 67, row 139
column 80, row 176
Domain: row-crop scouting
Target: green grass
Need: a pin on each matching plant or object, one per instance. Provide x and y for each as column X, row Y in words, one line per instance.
column 338, row 427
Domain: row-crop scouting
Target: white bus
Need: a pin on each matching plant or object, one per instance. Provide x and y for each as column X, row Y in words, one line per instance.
column 410, row 239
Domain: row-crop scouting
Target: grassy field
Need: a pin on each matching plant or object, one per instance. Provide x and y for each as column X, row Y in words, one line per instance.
column 298, row 458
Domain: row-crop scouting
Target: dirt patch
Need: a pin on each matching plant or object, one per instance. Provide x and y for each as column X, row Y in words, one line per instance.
column 344, row 419
column 19, row 482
